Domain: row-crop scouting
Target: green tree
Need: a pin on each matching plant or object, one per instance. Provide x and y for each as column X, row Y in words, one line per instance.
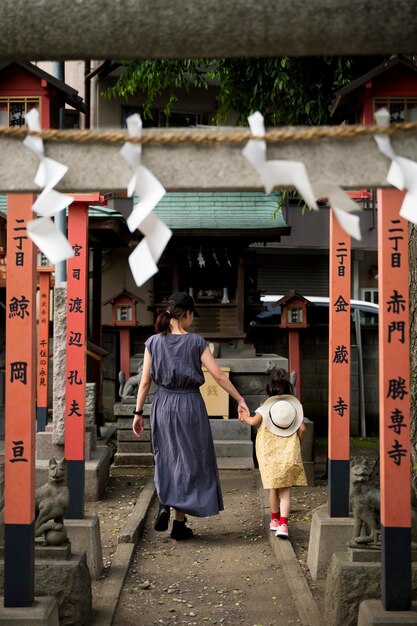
column 287, row 91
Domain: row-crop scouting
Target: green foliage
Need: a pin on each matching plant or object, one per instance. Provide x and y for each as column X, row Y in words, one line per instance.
column 287, row 91
column 161, row 77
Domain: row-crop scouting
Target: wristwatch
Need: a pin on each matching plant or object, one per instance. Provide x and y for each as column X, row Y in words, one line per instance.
column 138, row 412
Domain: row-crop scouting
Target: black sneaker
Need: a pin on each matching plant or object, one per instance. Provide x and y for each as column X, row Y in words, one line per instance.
column 162, row 518
column 180, row 531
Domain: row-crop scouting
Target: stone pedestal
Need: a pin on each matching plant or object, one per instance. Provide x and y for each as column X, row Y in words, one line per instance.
column 327, row 535
column 232, row 442
column 351, row 581
column 97, row 470
column 232, row 439
column 372, row 613
column 132, row 451
column 43, row 612
column 84, row 535
column 69, row 582
column 47, row 449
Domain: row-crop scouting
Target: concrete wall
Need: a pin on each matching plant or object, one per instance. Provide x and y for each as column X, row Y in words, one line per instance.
column 117, row 276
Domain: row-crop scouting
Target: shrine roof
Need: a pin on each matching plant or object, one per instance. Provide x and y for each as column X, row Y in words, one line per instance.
column 70, row 94
column 217, row 210
column 251, row 215
column 347, row 91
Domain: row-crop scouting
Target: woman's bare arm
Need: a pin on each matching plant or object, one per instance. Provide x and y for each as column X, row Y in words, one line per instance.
column 144, row 385
column 221, row 379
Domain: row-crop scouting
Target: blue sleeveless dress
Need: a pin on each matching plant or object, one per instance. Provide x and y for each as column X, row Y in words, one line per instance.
column 186, row 474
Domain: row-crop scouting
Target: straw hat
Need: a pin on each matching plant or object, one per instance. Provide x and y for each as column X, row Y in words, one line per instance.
column 282, row 415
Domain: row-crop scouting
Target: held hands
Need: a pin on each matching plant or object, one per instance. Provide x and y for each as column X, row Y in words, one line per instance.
column 244, row 417
column 138, row 426
column 242, row 410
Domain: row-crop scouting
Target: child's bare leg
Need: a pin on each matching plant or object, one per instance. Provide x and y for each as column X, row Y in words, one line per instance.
column 285, row 501
column 274, row 500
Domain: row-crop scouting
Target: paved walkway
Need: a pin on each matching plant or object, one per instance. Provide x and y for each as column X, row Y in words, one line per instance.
column 234, row 571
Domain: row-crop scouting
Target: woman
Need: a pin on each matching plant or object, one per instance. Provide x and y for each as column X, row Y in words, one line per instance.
column 186, row 474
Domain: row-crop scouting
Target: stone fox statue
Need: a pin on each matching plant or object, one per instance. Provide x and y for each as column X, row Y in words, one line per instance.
column 365, row 503
column 51, row 500
column 129, row 388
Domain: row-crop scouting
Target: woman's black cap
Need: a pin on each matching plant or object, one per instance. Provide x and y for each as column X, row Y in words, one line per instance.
column 183, row 300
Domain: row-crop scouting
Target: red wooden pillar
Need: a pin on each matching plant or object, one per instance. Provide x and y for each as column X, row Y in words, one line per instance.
column 19, row 511
column 339, row 369
column 125, row 351
column 294, row 357
column 77, row 280
column 43, row 349
column 394, row 402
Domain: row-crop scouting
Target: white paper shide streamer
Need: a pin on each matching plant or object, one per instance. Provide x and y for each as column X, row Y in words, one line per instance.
column 276, row 174
column 402, row 173
column 146, row 255
column 43, row 232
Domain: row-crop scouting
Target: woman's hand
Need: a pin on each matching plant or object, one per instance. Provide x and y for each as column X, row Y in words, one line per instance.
column 242, row 409
column 244, row 416
column 138, row 426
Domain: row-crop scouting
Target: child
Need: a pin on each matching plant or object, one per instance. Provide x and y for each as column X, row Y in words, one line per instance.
column 278, row 449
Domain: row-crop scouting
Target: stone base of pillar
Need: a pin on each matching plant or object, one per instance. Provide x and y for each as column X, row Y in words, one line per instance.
column 68, row 582
column 84, row 535
column 97, row 470
column 43, row 612
column 327, row 535
column 350, row 583
column 372, row 613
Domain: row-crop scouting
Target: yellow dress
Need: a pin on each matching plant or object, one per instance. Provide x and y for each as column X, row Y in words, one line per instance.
column 279, row 459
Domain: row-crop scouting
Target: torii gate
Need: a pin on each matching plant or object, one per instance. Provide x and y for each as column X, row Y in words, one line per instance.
column 365, row 33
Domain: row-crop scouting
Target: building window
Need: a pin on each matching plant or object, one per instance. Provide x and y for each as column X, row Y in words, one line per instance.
column 370, row 294
column 13, row 110
column 181, row 119
column 176, row 119
column 400, row 109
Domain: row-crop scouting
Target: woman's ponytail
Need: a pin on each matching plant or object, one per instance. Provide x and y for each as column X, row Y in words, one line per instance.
column 163, row 321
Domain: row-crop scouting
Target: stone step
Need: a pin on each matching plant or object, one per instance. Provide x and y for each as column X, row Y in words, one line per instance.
column 125, row 423
column 230, row 429
column 129, row 435
column 233, row 448
column 133, row 446
column 234, row 463
column 146, row 460
column 122, row 409
column 133, row 459
column 224, row 448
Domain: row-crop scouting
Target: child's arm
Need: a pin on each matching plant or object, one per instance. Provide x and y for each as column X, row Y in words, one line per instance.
column 301, row 432
column 252, row 420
